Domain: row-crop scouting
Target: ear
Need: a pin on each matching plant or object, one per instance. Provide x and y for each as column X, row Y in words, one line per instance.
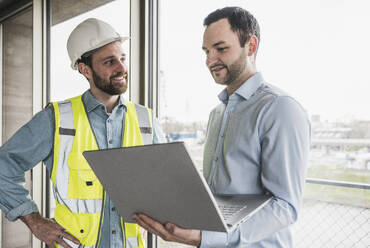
column 85, row 70
column 253, row 45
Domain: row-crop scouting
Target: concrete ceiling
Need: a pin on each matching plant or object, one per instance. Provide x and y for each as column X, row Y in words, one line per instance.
column 61, row 10
column 10, row 6
column 4, row 4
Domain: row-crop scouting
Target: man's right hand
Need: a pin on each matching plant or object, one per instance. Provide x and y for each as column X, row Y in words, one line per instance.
column 47, row 230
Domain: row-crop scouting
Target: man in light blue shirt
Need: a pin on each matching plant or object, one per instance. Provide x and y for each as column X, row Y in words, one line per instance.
column 257, row 141
column 106, row 108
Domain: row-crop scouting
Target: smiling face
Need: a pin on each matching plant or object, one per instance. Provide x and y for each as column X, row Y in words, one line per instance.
column 109, row 71
column 226, row 59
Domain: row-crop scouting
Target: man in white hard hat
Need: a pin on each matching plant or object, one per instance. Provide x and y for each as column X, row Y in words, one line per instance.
column 99, row 118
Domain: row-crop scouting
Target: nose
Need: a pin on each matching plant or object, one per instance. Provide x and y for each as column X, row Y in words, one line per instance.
column 121, row 66
column 211, row 59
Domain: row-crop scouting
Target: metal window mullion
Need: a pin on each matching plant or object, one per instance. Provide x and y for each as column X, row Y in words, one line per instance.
column 137, row 47
column 1, row 113
column 151, row 238
column 152, row 55
column 149, row 53
column 155, row 57
column 143, row 59
column 46, row 92
column 39, row 97
column 151, row 27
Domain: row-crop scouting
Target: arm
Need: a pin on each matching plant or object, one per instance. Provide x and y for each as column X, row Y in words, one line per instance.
column 26, row 148
column 285, row 139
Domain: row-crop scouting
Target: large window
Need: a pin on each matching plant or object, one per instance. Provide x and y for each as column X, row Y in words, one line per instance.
column 66, row 82
column 318, row 52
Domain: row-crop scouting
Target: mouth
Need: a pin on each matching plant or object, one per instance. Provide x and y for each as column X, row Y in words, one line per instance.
column 121, row 78
column 217, row 68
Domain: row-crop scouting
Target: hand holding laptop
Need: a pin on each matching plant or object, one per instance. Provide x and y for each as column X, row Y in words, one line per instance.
column 169, row 231
column 161, row 181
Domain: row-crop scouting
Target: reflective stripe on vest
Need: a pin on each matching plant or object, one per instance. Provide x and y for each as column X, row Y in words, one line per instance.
column 78, row 193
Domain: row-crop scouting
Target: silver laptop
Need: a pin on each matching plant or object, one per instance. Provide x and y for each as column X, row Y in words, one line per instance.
column 161, row 181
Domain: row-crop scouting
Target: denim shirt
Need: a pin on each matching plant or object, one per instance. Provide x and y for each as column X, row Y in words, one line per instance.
column 33, row 143
column 258, row 142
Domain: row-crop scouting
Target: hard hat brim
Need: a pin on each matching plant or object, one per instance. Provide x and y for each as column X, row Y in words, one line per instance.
column 121, row 39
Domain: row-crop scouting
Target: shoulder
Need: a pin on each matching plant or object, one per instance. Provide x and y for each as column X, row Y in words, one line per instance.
column 42, row 122
column 218, row 109
column 275, row 109
column 277, row 102
column 46, row 114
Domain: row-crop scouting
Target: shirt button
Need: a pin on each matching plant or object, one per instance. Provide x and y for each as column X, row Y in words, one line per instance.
column 108, row 121
column 113, row 231
column 110, row 141
column 216, row 159
column 113, row 209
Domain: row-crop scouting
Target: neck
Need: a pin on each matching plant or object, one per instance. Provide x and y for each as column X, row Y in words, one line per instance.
column 232, row 87
column 109, row 101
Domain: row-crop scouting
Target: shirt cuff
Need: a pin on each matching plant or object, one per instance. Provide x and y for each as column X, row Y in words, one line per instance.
column 213, row 239
column 26, row 208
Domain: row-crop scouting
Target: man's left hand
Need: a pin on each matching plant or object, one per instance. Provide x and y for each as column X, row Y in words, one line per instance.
column 169, row 231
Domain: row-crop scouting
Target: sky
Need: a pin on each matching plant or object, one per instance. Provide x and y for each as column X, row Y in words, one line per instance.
column 317, row 51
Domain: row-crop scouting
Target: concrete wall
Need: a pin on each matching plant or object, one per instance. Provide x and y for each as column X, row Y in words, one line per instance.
column 17, row 104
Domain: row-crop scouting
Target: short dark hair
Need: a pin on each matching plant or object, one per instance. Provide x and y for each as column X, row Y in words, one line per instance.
column 86, row 58
column 241, row 21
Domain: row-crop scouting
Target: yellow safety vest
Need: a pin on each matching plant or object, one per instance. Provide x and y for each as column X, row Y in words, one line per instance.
column 80, row 198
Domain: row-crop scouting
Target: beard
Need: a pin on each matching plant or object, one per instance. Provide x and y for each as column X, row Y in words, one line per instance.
column 110, row 87
column 233, row 71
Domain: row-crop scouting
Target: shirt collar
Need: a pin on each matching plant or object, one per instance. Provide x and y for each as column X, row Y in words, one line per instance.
column 246, row 90
column 91, row 103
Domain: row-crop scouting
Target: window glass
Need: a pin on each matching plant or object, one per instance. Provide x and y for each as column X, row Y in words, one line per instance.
column 66, row 82
column 318, row 52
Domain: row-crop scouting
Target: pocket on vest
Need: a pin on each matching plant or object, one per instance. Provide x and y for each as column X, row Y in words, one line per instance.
column 83, row 226
column 82, row 182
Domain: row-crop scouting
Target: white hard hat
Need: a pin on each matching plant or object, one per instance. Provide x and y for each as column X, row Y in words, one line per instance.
column 89, row 35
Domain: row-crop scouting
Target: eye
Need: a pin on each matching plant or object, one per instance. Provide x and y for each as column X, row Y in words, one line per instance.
column 221, row 49
column 108, row 62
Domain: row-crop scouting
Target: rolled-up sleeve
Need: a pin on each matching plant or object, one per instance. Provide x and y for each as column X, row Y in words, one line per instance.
column 30, row 145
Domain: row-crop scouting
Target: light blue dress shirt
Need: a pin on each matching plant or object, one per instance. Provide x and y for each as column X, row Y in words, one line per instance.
column 258, row 142
column 34, row 142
